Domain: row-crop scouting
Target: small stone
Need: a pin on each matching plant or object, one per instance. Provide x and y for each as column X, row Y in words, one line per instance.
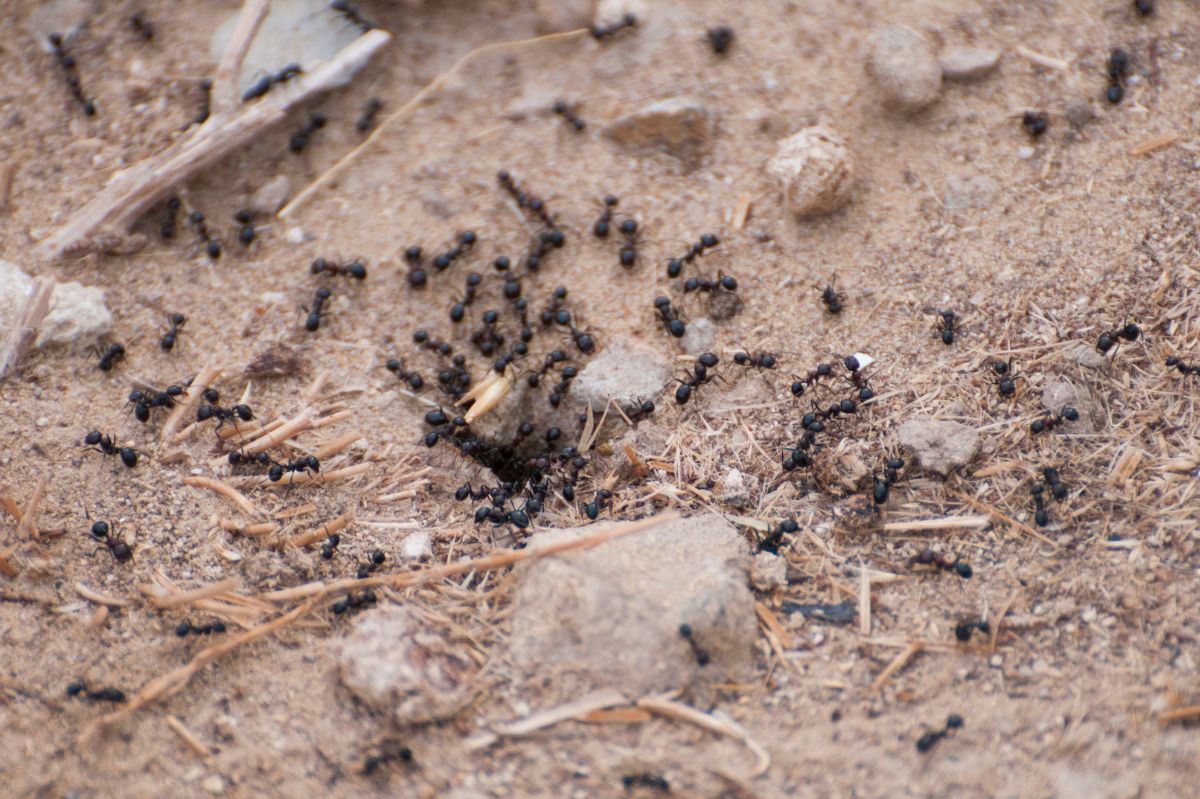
column 610, row 12
column 295, row 235
column 1088, row 356
column 699, row 337
column 996, row 661
column 394, row 663
column 768, row 572
column 271, row 195
column 623, row 373
column 77, row 313
column 815, row 169
column 969, row 191
column 905, row 68
column 1079, row 113
column 1025, row 153
column 42, row 421
column 968, row 63
column 417, row 546
column 213, row 784
column 939, row 446
column 1059, row 394
column 682, row 127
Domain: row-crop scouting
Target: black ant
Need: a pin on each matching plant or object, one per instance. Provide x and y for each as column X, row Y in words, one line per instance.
column 628, row 252
column 205, row 87
column 264, row 84
column 965, row 629
column 107, row 446
column 600, row 227
column 552, row 358
column 773, row 540
column 656, row 782
column 370, row 111
column 307, row 463
column 67, row 62
column 313, row 322
column 526, row 201
column 246, row 231
column 416, row 272
column 1118, row 65
column 117, row 546
column 351, row 14
column 1039, row 516
column 114, row 353
column 568, row 114
column 854, row 367
column 670, row 317
column 927, row 557
column 833, row 299
column 299, row 139
column 355, row 269
column 720, row 38
column 459, row 309
column 1058, row 488
column 141, row 26
column 241, row 458
column 1173, row 362
column 176, row 320
column 763, row 360
column 947, row 326
column 929, row 740
column 602, row 500
column 442, row 262
column 568, row 374
column 487, row 338
column 1112, row 338
column 822, row 371
column 639, row 410
column 352, row 600
column 373, row 762
column 1035, row 122
column 882, row 488
column 100, row 695
column 185, row 628
column 722, row 283
column 212, row 246
column 698, row 377
column 1144, row 7
column 329, row 545
column 1068, row 414
column 687, row 634
column 207, row 411
column 414, row 380
column 539, row 246
column 167, row 230
column 606, row 31
column 145, row 401
column 1005, row 378
column 706, row 242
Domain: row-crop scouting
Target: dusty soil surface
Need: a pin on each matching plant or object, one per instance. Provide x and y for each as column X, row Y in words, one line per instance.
column 1092, row 618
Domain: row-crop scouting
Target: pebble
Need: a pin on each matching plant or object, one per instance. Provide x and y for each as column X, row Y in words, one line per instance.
column 213, row 784
column 417, row 546
column 905, row 68
column 968, row 63
column 295, row 235
column 939, row 446
column 621, row 372
column 969, row 191
column 1025, row 153
column 768, row 572
column 815, row 169
column 77, row 312
column 271, row 195
column 1088, row 356
column 681, row 127
column 610, row 615
column 1079, row 113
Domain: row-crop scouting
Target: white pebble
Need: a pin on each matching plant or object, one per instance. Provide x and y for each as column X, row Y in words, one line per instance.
column 904, row 67
column 1025, row 153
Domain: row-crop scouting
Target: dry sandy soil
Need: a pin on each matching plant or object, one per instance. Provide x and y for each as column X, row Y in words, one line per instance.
column 1095, row 615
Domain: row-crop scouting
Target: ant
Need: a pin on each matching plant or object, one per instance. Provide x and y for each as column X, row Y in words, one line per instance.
column 1057, row 487
column 442, row 262
column 264, row 84
column 823, row 370
column 670, row 317
column 107, row 446
column 569, row 373
column 71, row 72
column 773, row 540
column 487, row 338
column 1005, row 378
column 116, row 546
column 459, row 309
column 929, row 740
column 176, row 320
column 600, row 227
column 144, row 401
column 313, row 322
column 100, row 695
column 537, row 249
column 706, row 242
column 307, row 463
column 628, row 252
column 607, row 31
column 114, row 353
column 246, row 232
column 687, row 634
column 1118, row 65
column 367, row 597
column 414, row 380
column 299, row 139
column 355, row 269
column 1039, row 516
column 639, row 410
column 329, row 545
column 602, row 500
column 141, row 26
column 185, row 628
column 351, row 14
column 720, row 38
column 554, row 357
column 207, row 411
column 1144, row 7
column 699, row 377
column 373, row 762
column 655, row 782
column 212, row 246
column 947, row 326
column 833, row 299
column 1035, row 122
column 525, row 200
column 370, row 111
column 964, row 629
column 416, row 273
column 205, row 87
column 167, row 230
column 761, row 361
column 927, row 557
column 882, row 488
column 1068, row 414
column 238, row 458
column 723, row 282
column 1173, row 362
column 1112, row 338
column 568, row 114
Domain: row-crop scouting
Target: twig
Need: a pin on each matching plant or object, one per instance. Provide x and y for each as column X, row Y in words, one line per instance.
column 274, row 438
column 945, row 523
column 101, row 599
column 26, row 528
column 262, row 528
column 898, row 662
column 337, row 445
column 187, row 406
column 37, row 305
column 1179, row 714
column 188, row 738
column 178, row 598
column 864, row 599
column 103, row 223
column 1156, row 143
column 1043, row 60
column 321, row 478
column 710, row 722
column 597, row 700
column 225, row 99
column 224, row 489
column 324, row 531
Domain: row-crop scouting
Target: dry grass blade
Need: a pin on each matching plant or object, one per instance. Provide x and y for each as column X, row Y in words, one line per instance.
column 26, row 528
column 176, row 598
column 101, row 599
column 944, row 523
column 224, row 489
column 187, row 407
column 324, row 531
column 711, row 722
column 188, row 738
column 597, row 700
column 898, row 662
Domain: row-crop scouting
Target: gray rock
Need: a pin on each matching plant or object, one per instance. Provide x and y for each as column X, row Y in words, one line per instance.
column 610, row 615
column 968, row 63
column 682, row 127
column 58, row 16
column 271, row 195
column 939, row 446
column 1088, row 356
column 905, row 68
column 76, row 311
column 1058, row 394
column 969, row 191
column 700, row 336
column 621, row 372
column 394, row 663
column 815, row 169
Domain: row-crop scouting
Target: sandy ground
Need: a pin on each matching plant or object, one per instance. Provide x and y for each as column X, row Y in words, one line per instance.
column 1079, row 237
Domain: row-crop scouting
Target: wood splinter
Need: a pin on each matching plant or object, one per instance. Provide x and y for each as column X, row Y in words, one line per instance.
column 322, row 532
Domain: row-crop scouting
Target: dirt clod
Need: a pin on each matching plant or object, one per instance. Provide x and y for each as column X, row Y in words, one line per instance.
column 939, row 446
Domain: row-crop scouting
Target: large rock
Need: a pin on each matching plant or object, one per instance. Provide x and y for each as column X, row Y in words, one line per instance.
column 621, row 373
column 611, row 615
column 905, row 67
column 394, row 663
column 939, row 446
column 682, row 127
column 77, row 312
column 815, row 169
